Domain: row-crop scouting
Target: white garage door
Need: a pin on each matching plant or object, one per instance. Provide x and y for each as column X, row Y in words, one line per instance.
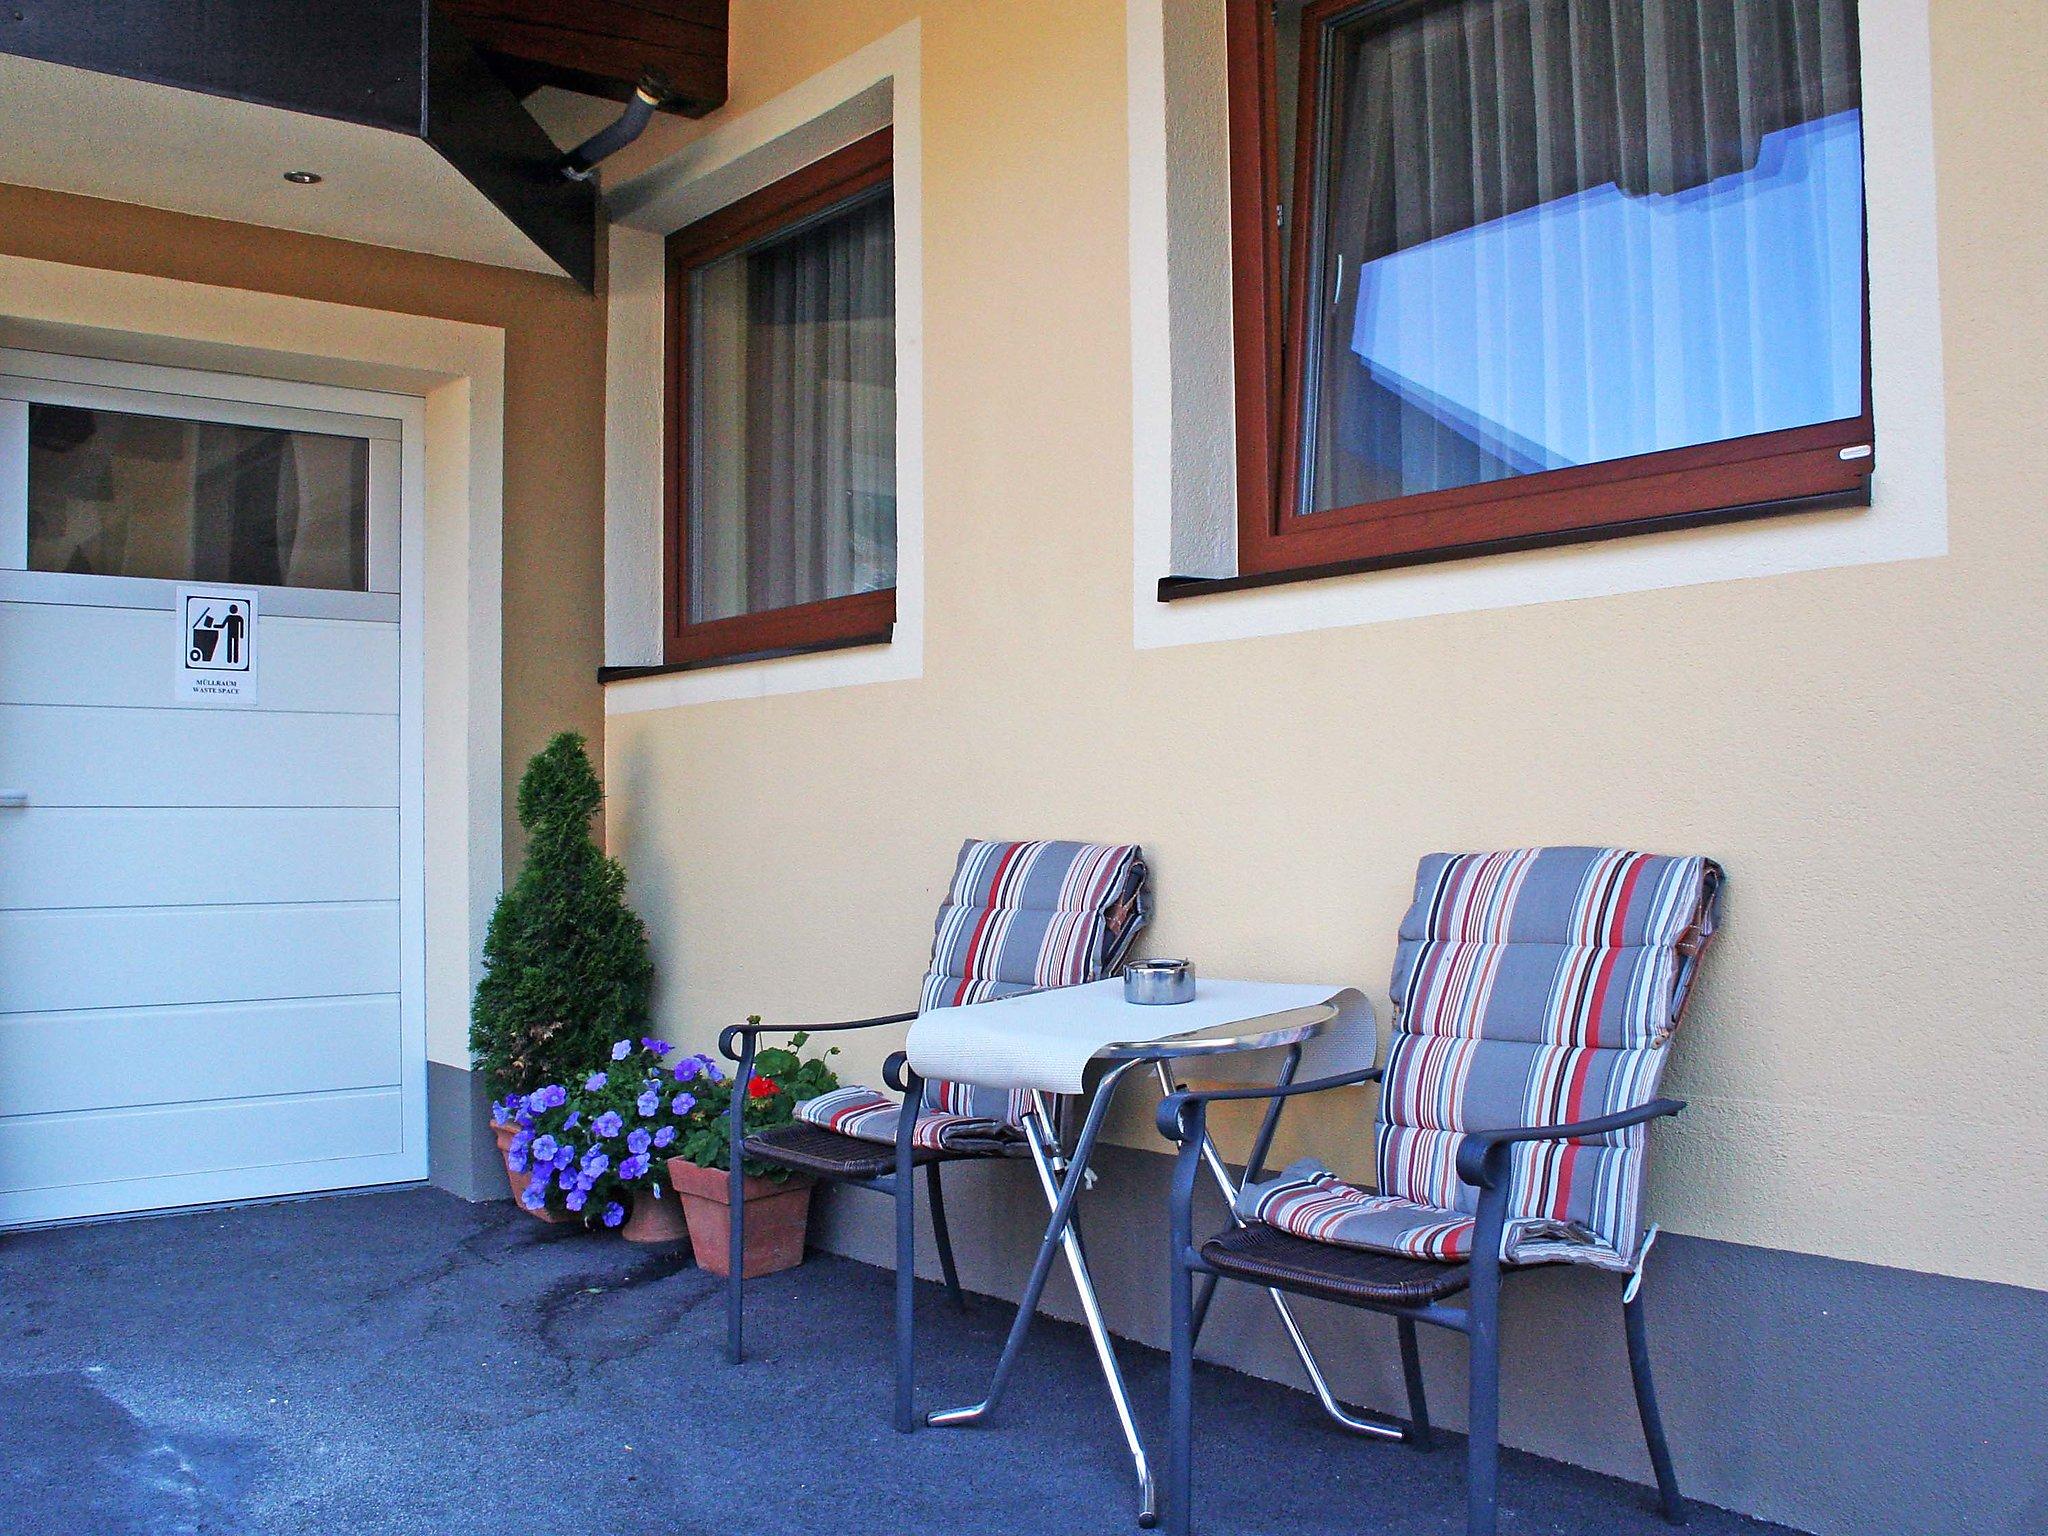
column 200, row 903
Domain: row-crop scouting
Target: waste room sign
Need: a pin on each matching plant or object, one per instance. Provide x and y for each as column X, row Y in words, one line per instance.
column 216, row 645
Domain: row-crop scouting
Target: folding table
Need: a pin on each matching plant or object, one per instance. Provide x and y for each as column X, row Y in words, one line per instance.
column 1042, row 1044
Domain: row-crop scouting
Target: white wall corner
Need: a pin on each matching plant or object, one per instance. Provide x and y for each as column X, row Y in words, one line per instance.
column 1204, row 387
column 633, row 365
column 1183, row 435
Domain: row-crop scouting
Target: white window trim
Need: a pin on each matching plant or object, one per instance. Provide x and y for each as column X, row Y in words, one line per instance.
column 1179, row 254
column 871, row 89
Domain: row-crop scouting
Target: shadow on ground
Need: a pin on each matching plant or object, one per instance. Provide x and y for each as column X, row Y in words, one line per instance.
column 404, row 1362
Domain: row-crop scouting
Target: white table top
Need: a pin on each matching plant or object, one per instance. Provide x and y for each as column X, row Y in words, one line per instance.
column 1045, row 1040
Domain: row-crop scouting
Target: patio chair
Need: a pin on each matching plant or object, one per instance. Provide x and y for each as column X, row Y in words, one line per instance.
column 1536, row 993
column 1018, row 917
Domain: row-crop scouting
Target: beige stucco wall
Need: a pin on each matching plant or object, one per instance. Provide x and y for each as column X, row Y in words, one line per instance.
column 554, row 412
column 1861, row 747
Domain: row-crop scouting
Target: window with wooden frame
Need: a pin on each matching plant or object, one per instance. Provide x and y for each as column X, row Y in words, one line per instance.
column 781, row 417
column 1509, row 273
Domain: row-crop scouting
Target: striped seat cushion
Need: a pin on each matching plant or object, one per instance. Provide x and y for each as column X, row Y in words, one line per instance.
column 1018, row 917
column 871, row 1116
column 1531, row 987
column 1310, row 1201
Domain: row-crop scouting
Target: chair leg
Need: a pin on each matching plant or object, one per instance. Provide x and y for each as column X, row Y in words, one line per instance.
column 736, row 1269
column 936, row 1190
column 1180, row 1399
column 1482, row 1449
column 1418, row 1434
column 1205, row 1293
column 736, row 1204
column 1646, row 1406
column 906, row 1296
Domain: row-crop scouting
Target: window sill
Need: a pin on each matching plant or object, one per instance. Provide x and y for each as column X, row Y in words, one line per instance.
column 1176, row 588
column 777, row 653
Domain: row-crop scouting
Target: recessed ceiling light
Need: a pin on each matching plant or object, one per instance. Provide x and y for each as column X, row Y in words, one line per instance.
column 302, row 178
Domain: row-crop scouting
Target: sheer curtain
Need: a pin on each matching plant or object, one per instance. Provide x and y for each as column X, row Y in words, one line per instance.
column 793, row 390
column 1565, row 231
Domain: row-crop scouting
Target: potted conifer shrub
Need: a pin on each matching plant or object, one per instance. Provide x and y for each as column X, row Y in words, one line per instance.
column 566, row 966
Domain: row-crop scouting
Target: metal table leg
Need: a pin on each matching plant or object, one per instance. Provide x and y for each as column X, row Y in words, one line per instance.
column 1371, row 1425
column 1062, row 1182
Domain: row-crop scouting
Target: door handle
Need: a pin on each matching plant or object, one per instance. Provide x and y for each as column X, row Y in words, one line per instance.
column 13, row 799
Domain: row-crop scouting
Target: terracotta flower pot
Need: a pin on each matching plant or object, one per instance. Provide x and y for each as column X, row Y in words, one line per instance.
column 655, row 1221
column 776, row 1217
column 518, row 1181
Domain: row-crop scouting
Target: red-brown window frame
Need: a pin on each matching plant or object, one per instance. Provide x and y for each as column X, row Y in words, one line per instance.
column 859, row 619
column 1797, row 469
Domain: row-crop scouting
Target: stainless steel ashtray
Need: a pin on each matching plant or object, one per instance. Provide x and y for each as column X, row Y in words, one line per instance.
column 1159, row 981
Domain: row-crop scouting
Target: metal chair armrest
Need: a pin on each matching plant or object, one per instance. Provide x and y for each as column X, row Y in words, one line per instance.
column 730, row 1036
column 1179, row 1113
column 1479, row 1160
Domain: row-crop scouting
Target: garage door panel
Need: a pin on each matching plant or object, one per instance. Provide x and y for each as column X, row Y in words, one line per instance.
column 65, row 755
column 138, row 957
column 185, row 1139
column 52, row 653
column 172, row 856
column 203, row 971
column 69, row 1063
column 147, row 1192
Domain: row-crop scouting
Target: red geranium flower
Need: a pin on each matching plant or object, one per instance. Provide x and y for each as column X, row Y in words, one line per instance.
column 761, row 1088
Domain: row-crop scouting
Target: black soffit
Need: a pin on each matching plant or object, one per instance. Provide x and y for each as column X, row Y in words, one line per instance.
column 399, row 65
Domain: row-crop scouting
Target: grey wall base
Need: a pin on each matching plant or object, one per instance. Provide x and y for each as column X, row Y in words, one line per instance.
column 1844, row 1399
column 462, row 1154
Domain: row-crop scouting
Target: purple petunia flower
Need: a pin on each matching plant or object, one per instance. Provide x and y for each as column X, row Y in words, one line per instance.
column 595, row 1163
column 638, row 1140
column 576, row 1199
column 648, row 1102
column 606, row 1125
column 516, row 1161
column 622, row 1050
column 655, row 1046
column 564, row 1155
column 556, row 1095
column 575, row 1119
column 521, row 1139
column 565, row 1180
column 687, row 1068
column 633, row 1167
column 534, row 1104
column 536, row 1195
column 595, row 1081
column 614, row 1214
column 713, row 1070
column 664, row 1136
column 544, row 1148
column 682, row 1103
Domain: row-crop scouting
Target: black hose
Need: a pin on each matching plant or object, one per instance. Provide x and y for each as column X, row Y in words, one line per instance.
column 581, row 162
